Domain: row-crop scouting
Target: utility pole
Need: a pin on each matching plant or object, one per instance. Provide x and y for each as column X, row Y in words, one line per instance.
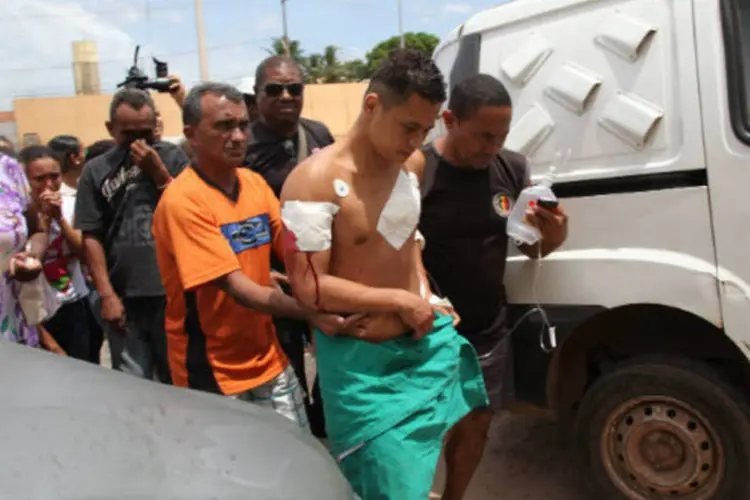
column 202, row 58
column 400, row 23
column 285, row 38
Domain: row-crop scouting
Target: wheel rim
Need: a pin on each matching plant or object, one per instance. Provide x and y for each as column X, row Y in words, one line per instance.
column 660, row 447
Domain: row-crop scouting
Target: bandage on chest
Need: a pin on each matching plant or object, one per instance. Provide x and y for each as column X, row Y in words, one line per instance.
column 400, row 214
column 311, row 223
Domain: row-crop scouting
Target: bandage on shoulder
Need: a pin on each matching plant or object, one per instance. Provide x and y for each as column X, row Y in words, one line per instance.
column 311, row 223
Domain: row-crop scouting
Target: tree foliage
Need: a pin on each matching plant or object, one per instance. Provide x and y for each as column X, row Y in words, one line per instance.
column 327, row 67
column 424, row 42
column 295, row 50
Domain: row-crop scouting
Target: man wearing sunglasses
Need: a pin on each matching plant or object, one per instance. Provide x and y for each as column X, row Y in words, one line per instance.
column 281, row 139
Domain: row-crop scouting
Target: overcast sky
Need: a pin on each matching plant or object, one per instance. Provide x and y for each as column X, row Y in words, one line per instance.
column 36, row 35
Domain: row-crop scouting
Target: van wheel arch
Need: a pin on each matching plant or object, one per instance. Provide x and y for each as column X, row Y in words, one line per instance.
column 615, row 335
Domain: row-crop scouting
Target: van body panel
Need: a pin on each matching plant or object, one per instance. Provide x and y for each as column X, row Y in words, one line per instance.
column 729, row 171
column 644, row 259
column 602, row 138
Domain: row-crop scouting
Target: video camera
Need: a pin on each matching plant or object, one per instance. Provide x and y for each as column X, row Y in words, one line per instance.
column 139, row 80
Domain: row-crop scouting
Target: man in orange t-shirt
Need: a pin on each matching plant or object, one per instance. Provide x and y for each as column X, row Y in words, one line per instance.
column 214, row 229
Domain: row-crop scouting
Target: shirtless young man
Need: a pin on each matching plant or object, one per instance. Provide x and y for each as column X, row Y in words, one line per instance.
column 351, row 212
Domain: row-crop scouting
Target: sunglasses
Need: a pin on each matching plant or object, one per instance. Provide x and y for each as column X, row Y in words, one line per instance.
column 276, row 89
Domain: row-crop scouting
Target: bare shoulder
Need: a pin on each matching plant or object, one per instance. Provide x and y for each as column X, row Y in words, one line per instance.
column 312, row 180
column 416, row 163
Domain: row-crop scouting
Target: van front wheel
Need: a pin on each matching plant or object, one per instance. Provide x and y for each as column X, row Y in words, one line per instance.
column 654, row 429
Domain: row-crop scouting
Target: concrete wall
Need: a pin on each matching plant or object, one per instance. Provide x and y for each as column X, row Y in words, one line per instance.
column 8, row 126
column 336, row 105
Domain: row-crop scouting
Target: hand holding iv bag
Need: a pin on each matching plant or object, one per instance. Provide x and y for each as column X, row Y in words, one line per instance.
column 518, row 228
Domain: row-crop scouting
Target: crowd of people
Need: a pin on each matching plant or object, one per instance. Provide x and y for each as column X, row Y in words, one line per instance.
column 216, row 265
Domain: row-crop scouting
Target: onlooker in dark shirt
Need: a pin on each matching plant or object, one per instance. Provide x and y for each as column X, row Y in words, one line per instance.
column 117, row 194
column 280, row 140
column 273, row 156
column 280, row 137
column 469, row 184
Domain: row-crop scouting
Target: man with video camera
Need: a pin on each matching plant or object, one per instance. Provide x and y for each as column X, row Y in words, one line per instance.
column 117, row 194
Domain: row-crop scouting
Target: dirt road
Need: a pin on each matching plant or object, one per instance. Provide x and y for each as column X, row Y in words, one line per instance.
column 526, row 459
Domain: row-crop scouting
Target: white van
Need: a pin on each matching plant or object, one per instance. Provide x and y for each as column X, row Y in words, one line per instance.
column 650, row 296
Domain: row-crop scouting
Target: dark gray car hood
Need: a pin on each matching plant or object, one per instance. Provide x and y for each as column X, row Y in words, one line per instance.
column 71, row 430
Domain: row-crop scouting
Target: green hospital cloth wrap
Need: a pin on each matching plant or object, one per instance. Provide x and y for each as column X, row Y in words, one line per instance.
column 402, row 385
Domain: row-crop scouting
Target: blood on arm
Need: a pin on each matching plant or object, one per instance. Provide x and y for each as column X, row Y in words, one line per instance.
column 307, row 229
column 290, row 252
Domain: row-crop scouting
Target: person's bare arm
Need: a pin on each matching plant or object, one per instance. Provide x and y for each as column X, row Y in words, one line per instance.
column 74, row 238
column 20, row 268
column 38, row 237
column 416, row 164
column 277, row 226
column 53, row 208
column 89, row 218
column 97, row 265
column 264, row 299
column 273, row 301
column 424, row 282
column 49, row 342
column 177, row 90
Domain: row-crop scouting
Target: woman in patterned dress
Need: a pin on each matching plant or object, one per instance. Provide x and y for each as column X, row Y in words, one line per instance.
column 17, row 228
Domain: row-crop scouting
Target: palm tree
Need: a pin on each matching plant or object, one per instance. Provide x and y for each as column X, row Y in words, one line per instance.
column 295, row 50
column 315, row 66
column 332, row 72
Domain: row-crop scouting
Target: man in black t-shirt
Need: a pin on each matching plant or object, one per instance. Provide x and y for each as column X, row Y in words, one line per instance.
column 469, row 184
column 281, row 139
column 117, row 194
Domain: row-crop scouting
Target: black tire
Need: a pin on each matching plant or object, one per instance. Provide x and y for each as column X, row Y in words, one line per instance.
column 680, row 410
